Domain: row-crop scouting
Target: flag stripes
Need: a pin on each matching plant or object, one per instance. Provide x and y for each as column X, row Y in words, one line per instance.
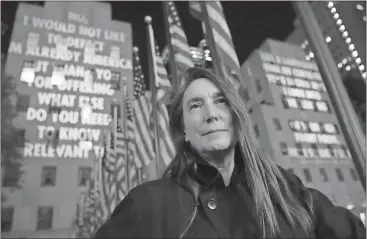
column 223, row 40
column 179, row 43
column 142, row 108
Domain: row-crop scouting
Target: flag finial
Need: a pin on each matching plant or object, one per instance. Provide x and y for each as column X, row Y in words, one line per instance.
column 148, row 19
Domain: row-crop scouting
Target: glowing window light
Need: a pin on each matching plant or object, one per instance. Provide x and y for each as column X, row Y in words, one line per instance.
column 86, row 112
column 351, row 47
column 355, row 53
column 340, row 65
column 360, row 7
column 330, row 4
column 58, row 77
column 344, row 61
column 347, row 68
column 342, row 28
column 333, row 10
column 336, row 16
column 361, row 67
column 339, row 22
column 328, row 39
column 86, row 144
column 348, row 40
column 358, row 60
column 27, row 75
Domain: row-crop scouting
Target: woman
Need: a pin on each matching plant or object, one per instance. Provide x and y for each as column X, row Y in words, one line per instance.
column 221, row 184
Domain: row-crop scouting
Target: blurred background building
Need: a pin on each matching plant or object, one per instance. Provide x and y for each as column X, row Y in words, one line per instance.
column 56, row 166
column 296, row 123
column 344, row 25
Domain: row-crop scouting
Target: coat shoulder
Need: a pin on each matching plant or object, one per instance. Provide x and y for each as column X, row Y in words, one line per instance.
column 153, row 187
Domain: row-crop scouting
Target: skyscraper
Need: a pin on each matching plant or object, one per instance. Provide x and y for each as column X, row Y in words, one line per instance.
column 295, row 121
column 344, row 26
column 62, row 56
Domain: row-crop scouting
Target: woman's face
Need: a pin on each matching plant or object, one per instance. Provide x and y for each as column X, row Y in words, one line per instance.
column 207, row 117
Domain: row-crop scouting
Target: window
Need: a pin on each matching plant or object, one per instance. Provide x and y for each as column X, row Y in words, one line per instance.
column 48, row 176
column 84, row 175
column 256, row 130
column 115, row 80
column 353, row 174
column 277, row 124
column 44, row 219
column 307, row 173
column 6, row 218
column 11, row 175
column 283, row 148
column 322, row 106
column 299, row 149
column 28, row 71
column 258, row 85
column 331, row 150
column 314, row 149
column 339, row 174
column 323, row 175
column 21, row 137
column 23, row 103
column 285, row 102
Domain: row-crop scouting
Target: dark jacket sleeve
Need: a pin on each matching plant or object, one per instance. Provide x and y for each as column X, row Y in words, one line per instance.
column 330, row 221
column 123, row 222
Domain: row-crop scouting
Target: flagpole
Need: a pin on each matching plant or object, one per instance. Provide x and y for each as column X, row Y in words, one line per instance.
column 126, row 139
column 345, row 113
column 153, row 88
column 115, row 149
column 208, row 32
column 172, row 63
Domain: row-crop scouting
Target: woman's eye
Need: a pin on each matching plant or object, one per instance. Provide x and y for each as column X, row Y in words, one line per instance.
column 222, row 100
column 194, row 106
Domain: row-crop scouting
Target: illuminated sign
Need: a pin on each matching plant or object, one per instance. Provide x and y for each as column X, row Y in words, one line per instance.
column 321, row 152
column 72, row 71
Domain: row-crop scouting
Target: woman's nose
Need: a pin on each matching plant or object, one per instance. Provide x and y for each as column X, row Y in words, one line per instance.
column 211, row 113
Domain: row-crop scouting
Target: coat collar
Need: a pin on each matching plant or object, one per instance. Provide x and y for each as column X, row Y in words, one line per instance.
column 209, row 176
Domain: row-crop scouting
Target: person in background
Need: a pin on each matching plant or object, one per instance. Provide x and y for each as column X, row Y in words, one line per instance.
column 221, row 184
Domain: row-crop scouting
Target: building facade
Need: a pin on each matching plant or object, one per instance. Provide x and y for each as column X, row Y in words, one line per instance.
column 343, row 24
column 70, row 62
column 295, row 121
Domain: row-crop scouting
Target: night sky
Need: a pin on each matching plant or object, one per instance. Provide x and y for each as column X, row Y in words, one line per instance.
column 250, row 22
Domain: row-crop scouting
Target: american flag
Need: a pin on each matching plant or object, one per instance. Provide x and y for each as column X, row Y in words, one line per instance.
column 142, row 108
column 118, row 186
column 166, row 147
column 92, row 210
column 222, row 36
column 179, row 42
column 134, row 162
column 161, row 80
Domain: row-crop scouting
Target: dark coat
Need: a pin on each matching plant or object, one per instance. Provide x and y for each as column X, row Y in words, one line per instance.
column 162, row 208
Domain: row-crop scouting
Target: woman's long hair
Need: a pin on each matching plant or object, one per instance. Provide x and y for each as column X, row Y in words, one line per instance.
column 266, row 183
